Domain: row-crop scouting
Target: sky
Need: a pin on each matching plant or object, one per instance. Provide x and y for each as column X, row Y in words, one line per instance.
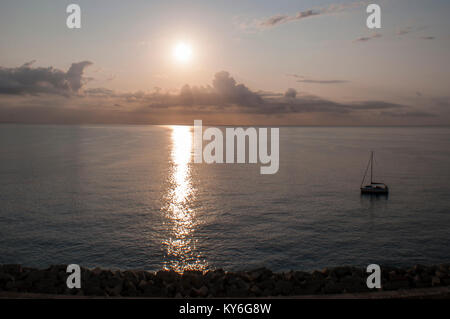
column 252, row 62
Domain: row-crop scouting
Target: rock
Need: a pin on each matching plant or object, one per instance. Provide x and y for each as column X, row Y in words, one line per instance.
column 444, row 268
column 333, row 287
column 45, row 284
column 152, row 290
column 193, row 272
column 217, row 288
column 244, row 276
column 5, row 278
column 96, row 271
column 106, row 274
column 129, row 289
column 236, row 292
column 178, row 296
column 317, row 275
column 354, row 283
column 312, row 286
column 289, row 276
column 260, row 274
column 359, row 273
column 266, row 285
column 441, row 275
column 112, row 282
column 92, row 290
column 10, row 285
column 435, row 281
column 202, row 292
column 23, row 285
column 256, row 291
column 300, row 276
column 340, row 272
column 35, row 276
column 12, row 269
column 192, row 279
column 419, row 269
column 167, row 276
column 79, row 292
column 283, row 287
column 131, row 276
column 142, row 284
column 399, row 282
column 114, row 291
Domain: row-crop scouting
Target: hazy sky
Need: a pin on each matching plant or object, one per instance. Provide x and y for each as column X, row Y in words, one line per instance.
column 253, row 62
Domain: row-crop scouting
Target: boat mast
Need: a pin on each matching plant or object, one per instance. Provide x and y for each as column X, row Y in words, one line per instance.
column 371, row 168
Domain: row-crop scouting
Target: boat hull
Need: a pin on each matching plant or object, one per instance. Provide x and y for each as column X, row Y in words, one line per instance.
column 373, row 190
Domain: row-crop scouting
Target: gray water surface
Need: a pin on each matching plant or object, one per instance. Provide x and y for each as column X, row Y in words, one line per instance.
column 129, row 197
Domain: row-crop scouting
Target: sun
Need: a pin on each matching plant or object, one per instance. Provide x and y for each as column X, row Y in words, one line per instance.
column 182, row 52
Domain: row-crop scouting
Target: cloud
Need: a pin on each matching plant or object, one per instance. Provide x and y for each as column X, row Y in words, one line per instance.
column 412, row 114
column 368, row 38
column 331, row 9
column 222, row 99
column 404, row 30
column 28, row 80
column 225, row 95
column 290, row 93
column 303, row 79
column 279, row 19
column 321, row 81
column 410, row 29
column 100, row 92
column 428, row 38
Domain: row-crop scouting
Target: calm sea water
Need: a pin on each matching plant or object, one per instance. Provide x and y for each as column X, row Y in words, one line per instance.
column 128, row 197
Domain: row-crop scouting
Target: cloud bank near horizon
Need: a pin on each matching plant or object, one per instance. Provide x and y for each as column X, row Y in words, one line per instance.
column 28, row 93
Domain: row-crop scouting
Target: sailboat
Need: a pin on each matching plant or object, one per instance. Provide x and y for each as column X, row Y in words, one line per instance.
column 373, row 187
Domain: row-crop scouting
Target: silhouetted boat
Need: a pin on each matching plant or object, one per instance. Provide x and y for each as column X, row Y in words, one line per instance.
column 373, row 187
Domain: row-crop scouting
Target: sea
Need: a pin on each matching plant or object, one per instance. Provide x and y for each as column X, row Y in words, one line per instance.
column 130, row 197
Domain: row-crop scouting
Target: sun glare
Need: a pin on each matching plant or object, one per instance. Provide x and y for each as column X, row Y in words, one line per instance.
column 182, row 52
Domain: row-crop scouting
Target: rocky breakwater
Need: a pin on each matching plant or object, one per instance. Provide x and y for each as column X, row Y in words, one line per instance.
column 216, row 283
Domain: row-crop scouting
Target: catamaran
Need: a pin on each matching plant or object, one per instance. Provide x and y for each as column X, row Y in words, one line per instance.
column 373, row 187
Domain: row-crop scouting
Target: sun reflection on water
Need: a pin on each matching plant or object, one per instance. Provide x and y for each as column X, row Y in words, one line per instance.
column 182, row 220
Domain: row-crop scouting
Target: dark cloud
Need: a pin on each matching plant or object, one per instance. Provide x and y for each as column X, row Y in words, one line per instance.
column 279, row 19
column 410, row 29
column 373, row 105
column 303, row 79
column 333, row 8
column 290, row 93
column 368, row 38
column 405, row 30
column 223, row 92
column 226, row 87
column 100, row 92
column 274, row 20
column 322, row 81
column 28, row 80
